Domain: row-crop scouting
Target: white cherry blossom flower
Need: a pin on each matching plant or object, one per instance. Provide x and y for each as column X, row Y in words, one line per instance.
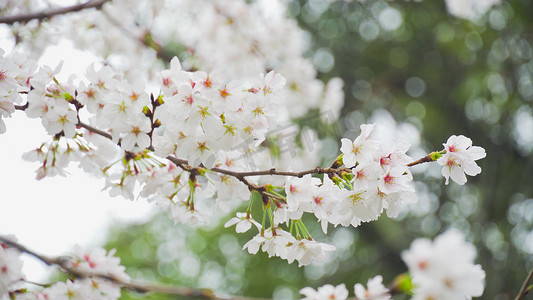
column 305, row 251
column 299, row 191
column 361, row 150
column 325, row 292
column 460, row 158
column 61, row 118
column 374, row 291
column 444, row 268
column 244, row 222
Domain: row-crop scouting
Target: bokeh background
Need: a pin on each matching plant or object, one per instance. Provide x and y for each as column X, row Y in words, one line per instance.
column 415, row 67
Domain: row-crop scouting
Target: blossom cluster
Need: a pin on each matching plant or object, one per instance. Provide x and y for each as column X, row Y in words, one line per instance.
column 440, row 270
column 379, row 181
column 249, row 38
column 460, row 159
column 91, row 286
column 10, row 268
column 444, row 269
column 189, row 145
column 375, row 291
column 14, row 79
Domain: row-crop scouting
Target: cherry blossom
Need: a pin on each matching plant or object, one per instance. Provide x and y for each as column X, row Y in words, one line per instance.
column 460, row 158
column 244, row 223
column 374, row 291
column 444, row 269
column 361, row 150
column 325, row 292
column 10, row 268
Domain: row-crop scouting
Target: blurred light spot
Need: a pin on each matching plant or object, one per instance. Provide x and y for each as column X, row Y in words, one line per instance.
column 430, row 225
column 313, row 272
column 343, row 238
column 189, row 265
column 523, row 133
column 228, row 245
column 212, row 276
column 496, row 84
column 491, row 113
column 329, row 29
column 283, row 293
column 416, row 109
column 352, row 20
column 167, row 269
column 318, row 6
column 362, row 90
column 390, row 19
column 473, row 41
column 197, row 243
column 293, row 8
column 497, row 20
column 415, row 87
column 369, row 30
column 313, row 9
column 525, row 87
column 398, row 57
column 323, row 60
column 445, row 32
column 474, row 108
column 139, row 249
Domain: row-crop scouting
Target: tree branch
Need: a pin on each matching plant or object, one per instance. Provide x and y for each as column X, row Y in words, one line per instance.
column 144, row 288
column 424, row 159
column 524, row 289
column 52, row 12
column 184, row 164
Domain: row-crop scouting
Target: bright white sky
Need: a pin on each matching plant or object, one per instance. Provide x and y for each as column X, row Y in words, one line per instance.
column 53, row 214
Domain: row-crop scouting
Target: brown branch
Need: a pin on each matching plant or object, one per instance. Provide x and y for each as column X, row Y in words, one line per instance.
column 424, row 159
column 63, row 264
column 94, row 130
column 524, row 289
column 52, row 12
column 184, row 164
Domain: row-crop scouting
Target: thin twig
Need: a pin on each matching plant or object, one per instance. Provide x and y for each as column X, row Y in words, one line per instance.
column 524, row 289
column 63, row 264
column 424, row 159
column 52, row 12
column 95, row 130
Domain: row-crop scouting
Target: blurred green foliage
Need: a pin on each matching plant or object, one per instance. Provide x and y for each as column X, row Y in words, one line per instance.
column 442, row 74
